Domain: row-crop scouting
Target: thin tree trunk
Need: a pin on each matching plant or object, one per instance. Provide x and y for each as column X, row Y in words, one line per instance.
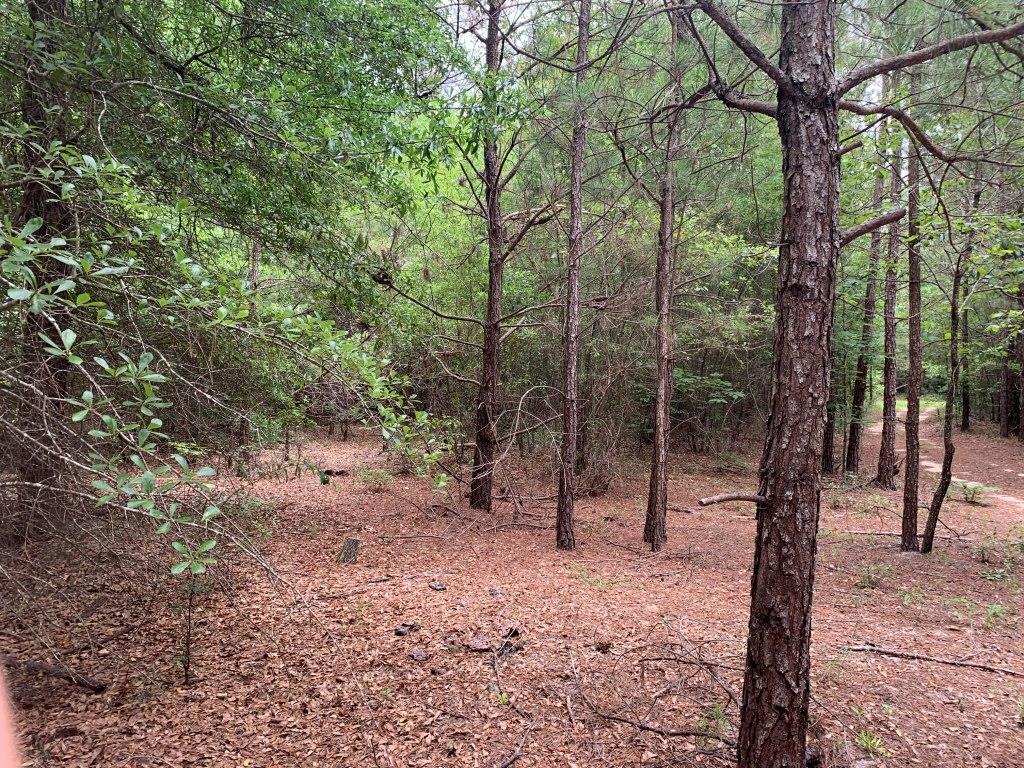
column 657, row 497
column 828, row 445
column 1004, row 392
column 860, row 382
column 565, row 537
column 948, row 447
column 44, row 111
column 886, row 477
column 965, row 361
column 486, row 450
column 776, row 690
column 908, row 539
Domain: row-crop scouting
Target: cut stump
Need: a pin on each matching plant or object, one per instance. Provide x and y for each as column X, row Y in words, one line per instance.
column 349, row 551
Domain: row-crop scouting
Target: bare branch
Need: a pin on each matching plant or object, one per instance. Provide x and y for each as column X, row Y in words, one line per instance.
column 922, row 55
column 745, row 44
column 870, row 226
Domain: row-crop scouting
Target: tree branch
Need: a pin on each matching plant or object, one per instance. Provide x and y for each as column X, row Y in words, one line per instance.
column 870, row 226
column 745, row 44
column 908, row 123
column 922, row 55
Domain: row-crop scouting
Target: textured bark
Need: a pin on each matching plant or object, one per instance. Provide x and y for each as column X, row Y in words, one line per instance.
column 657, row 496
column 908, row 539
column 867, row 332
column 486, row 450
column 776, row 689
column 565, row 537
column 886, row 476
column 44, row 111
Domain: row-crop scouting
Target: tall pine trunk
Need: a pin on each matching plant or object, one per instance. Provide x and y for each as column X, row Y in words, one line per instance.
column 1005, row 387
column 908, row 538
column 886, row 476
column 486, row 450
column 657, row 497
column 565, row 537
column 867, row 330
column 47, row 377
column 776, row 690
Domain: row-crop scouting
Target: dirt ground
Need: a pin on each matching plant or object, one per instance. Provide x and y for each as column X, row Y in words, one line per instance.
column 460, row 639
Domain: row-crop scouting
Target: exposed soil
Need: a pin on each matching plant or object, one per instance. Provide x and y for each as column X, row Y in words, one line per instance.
column 460, row 639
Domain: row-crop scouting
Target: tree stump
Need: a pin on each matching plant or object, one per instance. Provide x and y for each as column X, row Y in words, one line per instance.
column 349, row 551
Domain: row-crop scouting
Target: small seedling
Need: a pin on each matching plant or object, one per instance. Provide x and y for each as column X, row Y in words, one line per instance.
column 973, row 493
column 912, row 595
column 871, row 743
column 376, row 480
column 960, row 607
column 994, row 614
column 996, row 574
column 872, row 575
column 596, row 580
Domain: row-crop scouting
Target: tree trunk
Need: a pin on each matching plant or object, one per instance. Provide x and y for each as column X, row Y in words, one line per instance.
column 860, row 382
column 948, row 447
column 1020, row 386
column 776, row 688
column 1004, row 391
column 44, row 111
column 886, row 477
column 565, row 537
column 908, row 539
column 965, row 360
column 657, row 496
column 828, row 445
column 486, row 449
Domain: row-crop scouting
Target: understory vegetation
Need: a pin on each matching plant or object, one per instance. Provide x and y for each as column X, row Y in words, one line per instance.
column 523, row 244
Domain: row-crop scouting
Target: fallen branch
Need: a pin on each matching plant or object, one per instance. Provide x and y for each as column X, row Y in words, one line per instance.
column 511, row 759
column 753, row 498
column 871, row 648
column 40, row 667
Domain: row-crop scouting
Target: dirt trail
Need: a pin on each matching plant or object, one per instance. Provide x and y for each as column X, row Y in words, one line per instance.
column 979, row 458
column 465, row 639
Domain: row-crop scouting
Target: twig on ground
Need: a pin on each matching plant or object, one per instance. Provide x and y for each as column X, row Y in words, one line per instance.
column 872, row 648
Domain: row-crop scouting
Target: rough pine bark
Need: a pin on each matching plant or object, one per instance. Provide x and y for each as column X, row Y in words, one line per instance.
column 867, row 331
column 886, row 475
column 657, row 496
column 44, row 110
column 776, row 690
column 565, row 537
column 912, row 469
column 486, row 450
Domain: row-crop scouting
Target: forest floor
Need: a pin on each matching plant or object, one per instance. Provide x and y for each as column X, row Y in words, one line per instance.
column 461, row 639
